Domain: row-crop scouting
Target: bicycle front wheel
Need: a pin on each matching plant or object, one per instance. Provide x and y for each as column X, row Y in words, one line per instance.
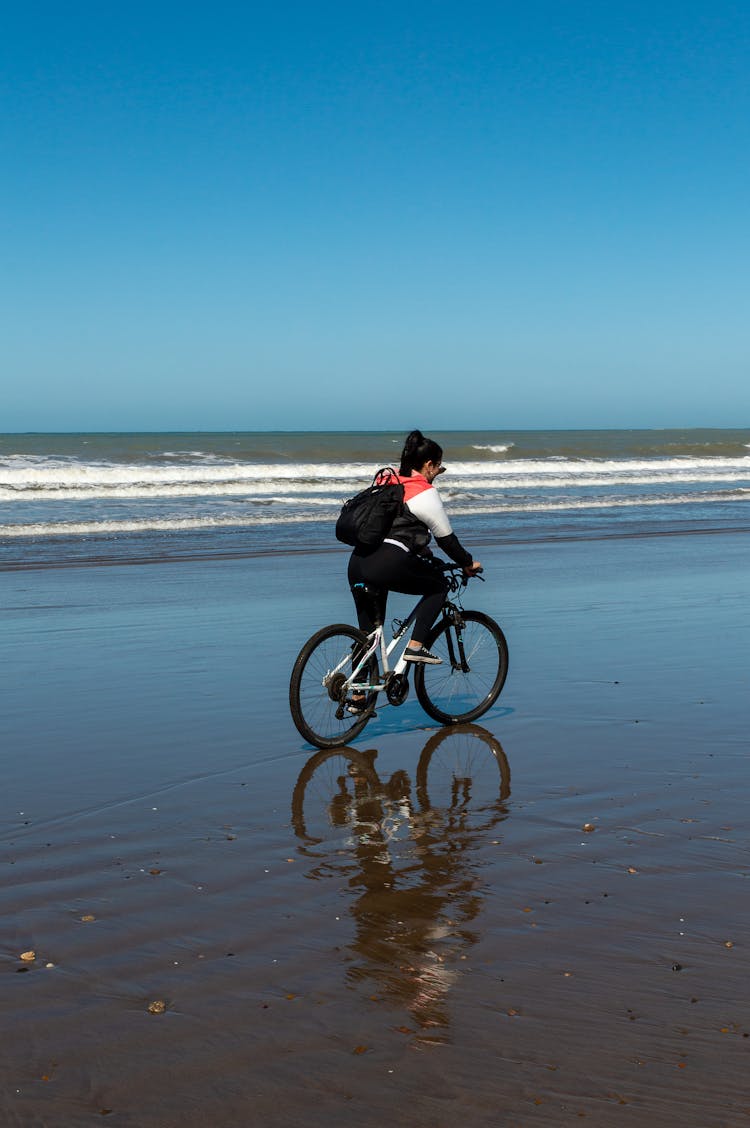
column 464, row 770
column 473, row 671
column 318, row 688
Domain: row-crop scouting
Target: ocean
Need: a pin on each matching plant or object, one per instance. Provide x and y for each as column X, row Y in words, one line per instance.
column 109, row 498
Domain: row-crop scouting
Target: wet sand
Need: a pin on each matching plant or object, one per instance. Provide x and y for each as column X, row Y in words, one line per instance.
column 344, row 939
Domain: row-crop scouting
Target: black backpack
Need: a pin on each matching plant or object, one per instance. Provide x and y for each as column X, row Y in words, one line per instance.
column 366, row 519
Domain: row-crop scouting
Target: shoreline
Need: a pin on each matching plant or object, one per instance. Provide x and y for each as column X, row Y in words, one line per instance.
column 479, row 539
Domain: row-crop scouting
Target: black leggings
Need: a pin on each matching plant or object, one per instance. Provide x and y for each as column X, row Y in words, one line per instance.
column 389, row 568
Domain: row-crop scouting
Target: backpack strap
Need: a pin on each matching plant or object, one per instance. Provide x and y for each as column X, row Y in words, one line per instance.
column 385, row 476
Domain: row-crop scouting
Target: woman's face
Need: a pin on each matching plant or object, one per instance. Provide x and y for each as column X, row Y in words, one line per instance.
column 430, row 470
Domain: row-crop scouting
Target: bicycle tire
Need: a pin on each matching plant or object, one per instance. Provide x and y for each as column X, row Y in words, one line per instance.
column 325, row 660
column 451, row 695
column 463, row 769
column 330, row 787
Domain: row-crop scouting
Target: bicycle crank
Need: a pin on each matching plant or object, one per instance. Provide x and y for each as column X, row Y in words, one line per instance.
column 397, row 689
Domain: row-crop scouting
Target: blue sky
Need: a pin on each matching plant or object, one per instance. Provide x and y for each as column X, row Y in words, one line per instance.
column 381, row 215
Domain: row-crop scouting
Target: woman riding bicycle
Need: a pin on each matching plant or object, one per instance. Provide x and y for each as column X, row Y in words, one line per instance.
column 341, row 670
column 403, row 562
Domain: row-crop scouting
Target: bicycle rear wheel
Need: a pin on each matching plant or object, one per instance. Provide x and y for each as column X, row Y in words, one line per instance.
column 473, row 671
column 335, row 791
column 317, row 690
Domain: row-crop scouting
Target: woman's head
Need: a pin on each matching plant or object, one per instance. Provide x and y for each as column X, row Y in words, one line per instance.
column 418, row 452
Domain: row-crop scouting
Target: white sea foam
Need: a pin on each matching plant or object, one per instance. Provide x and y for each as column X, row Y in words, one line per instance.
column 563, row 504
column 266, row 490
column 111, row 527
column 31, row 478
column 185, row 454
column 25, row 474
column 143, row 525
column 500, row 448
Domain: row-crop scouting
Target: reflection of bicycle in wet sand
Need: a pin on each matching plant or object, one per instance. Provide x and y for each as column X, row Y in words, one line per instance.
column 462, row 771
column 341, row 661
column 410, row 869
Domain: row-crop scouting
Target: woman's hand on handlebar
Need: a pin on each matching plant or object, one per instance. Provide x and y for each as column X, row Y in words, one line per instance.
column 472, row 569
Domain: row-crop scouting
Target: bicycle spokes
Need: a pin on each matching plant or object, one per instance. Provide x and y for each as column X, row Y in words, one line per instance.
column 323, row 678
column 472, row 673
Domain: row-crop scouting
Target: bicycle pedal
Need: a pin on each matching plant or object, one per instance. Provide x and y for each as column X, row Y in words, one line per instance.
column 355, row 711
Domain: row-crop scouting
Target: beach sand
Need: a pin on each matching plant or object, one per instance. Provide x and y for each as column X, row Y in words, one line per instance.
column 338, row 939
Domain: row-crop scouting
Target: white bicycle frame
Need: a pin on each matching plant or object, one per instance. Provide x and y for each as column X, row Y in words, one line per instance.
column 376, row 641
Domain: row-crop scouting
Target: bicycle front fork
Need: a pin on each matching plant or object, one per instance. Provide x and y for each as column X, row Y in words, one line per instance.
column 454, row 638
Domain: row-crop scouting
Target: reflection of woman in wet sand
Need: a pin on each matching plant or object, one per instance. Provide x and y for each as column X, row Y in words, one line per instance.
column 416, row 882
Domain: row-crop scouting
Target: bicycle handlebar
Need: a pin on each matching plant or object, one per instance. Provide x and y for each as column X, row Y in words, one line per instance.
column 451, row 566
column 459, row 575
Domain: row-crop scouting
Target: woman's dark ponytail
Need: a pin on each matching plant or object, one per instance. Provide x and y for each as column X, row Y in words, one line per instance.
column 418, row 450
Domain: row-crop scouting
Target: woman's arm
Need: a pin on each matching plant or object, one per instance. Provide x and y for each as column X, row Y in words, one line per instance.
column 427, row 506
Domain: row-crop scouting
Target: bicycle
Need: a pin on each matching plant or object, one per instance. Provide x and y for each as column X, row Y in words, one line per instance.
column 462, row 774
column 340, row 660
